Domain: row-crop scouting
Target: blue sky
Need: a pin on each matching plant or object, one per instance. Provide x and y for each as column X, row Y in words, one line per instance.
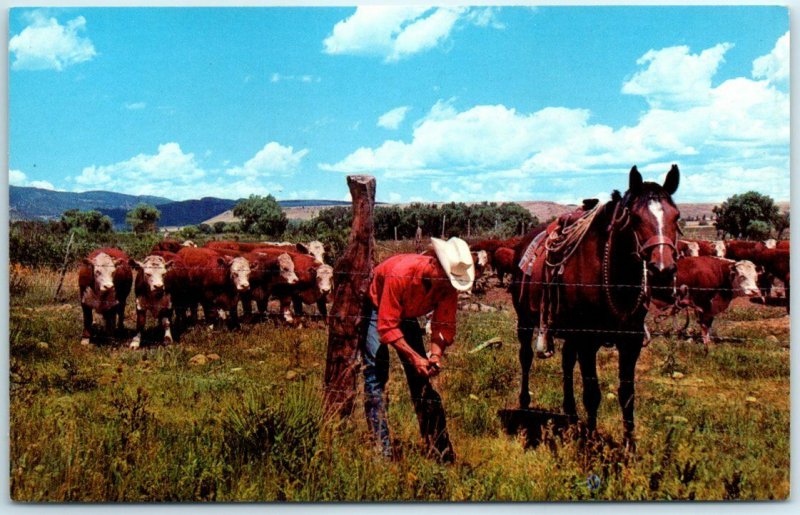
column 439, row 103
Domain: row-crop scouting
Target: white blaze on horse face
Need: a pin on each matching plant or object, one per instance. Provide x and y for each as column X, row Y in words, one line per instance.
column 240, row 273
column 658, row 212
column 325, row 279
column 104, row 268
column 745, row 281
column 286, row 266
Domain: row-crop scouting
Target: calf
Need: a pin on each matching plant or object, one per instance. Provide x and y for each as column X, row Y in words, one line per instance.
column 707, row 285
column 688, row 248
column 317, row 293
column 152, row 295
column 104, row 283
column 215, row 281
column 775, row 263
column 267, row 270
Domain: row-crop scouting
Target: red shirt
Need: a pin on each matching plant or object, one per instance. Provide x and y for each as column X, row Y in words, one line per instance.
column 409, row 286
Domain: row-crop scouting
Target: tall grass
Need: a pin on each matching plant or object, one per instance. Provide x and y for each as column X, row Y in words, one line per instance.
column 108, row 424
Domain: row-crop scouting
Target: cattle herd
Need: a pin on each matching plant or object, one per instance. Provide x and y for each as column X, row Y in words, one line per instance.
column 175, row 278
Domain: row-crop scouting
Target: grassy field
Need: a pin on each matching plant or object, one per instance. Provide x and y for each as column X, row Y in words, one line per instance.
column 107, row 424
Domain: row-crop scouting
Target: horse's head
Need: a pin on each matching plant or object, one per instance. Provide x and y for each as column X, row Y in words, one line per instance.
column 653, row 218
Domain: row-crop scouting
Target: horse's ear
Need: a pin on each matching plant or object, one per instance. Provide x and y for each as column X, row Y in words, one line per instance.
column 672, row 180
column 635, row 180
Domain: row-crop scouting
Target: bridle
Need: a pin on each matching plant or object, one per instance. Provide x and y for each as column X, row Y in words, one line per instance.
column 620, row 220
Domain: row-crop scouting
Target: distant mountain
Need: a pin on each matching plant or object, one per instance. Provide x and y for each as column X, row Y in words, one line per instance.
column 35, row 203
column 178, row 214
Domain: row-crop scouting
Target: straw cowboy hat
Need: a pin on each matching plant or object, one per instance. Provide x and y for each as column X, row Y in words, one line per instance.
column 456, row 259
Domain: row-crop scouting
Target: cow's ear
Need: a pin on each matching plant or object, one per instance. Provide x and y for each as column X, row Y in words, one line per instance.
column 87, row 262
column 134, row 264
column 672, row 180
column 301, row 248
column 226, row 260
column 169, row 264
column 254, row 266
column 635, row 180
column 118, row 261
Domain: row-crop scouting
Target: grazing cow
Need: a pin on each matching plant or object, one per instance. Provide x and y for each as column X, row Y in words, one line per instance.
column 252, row 246
column 315, row 248
column 167, row 245
column 104, row 283
column 770, row 243
column 707, row 285
column 152, row 295
column 688, row 248
column 504, row 262
column 215, row 281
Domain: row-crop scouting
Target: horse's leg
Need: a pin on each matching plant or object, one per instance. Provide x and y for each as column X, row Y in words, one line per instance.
column 628, row 355
column 568, row 357
column 587, row 357
column 525, row 336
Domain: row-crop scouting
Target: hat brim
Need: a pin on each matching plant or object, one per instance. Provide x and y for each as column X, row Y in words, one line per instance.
column 461, row 282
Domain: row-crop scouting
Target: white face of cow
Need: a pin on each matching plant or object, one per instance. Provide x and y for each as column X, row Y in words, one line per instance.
column 240, row 273
column 154, row 269
column 483, row 259
column 745, row 279
column 719, row 248
column 770, row 243
column 325, row 279
column 189, row 243
column 286, row 267
column 104, row 267
column 692, row 248
column 317, row 249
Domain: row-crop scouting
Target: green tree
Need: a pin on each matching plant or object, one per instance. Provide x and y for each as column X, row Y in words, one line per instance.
column 219, row 227
column 261, row 215
column 143, row 218
column 92, row 221
column 782, row 223
column 739, row 212
column 190, row 232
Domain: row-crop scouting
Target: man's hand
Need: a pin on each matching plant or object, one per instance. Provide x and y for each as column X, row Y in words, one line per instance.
column 435, row 363
column 421, row 365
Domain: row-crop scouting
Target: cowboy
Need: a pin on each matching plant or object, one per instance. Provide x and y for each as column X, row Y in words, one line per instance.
column 404, row 287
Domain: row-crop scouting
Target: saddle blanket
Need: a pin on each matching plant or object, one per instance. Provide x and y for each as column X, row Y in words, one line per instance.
column 529, row 257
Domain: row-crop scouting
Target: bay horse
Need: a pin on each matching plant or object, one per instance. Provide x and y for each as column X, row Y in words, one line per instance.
column 602, row 291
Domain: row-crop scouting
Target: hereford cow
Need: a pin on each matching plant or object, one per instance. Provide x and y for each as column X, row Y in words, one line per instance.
column 152, row 295
column 707, row 285
column 742, row 249
column 317, row 293
column 104, row 283
column 167, row 245
column 504, row 262
column 688, row 248
column 305, row 266
column 775, row 263
column 267, row 270
column 215, row 281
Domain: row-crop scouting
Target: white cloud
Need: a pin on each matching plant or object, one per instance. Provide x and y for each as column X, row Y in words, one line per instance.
column 474, row 152
column 392, row 119
column 278, row 77
column 774, row 66
column 46, row 44
column 273, row 159
column 176, row 174
column 135, row 106
column 674, row 77
column 396, row 32
column 19, row 178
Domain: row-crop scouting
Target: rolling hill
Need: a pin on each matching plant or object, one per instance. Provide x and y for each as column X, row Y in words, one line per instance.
column 27, row 203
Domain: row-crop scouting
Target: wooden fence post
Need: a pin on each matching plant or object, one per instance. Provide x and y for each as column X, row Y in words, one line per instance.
column 347, row 325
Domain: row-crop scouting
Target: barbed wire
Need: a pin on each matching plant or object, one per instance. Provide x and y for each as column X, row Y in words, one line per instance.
column 509, row 283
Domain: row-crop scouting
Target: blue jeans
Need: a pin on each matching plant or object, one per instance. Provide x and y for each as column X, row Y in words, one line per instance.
column 427, row 403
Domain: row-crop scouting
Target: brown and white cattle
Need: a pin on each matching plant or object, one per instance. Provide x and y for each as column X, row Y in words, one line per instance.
column 775, row 264
column 707, row 285
column 104, row 283
column 504, row 263
column 215, row 281
column 152, row 295
column 688, row 248
column 268, row 268
column 309, row 285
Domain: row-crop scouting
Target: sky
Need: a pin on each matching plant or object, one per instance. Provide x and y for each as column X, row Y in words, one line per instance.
column 440, row 104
